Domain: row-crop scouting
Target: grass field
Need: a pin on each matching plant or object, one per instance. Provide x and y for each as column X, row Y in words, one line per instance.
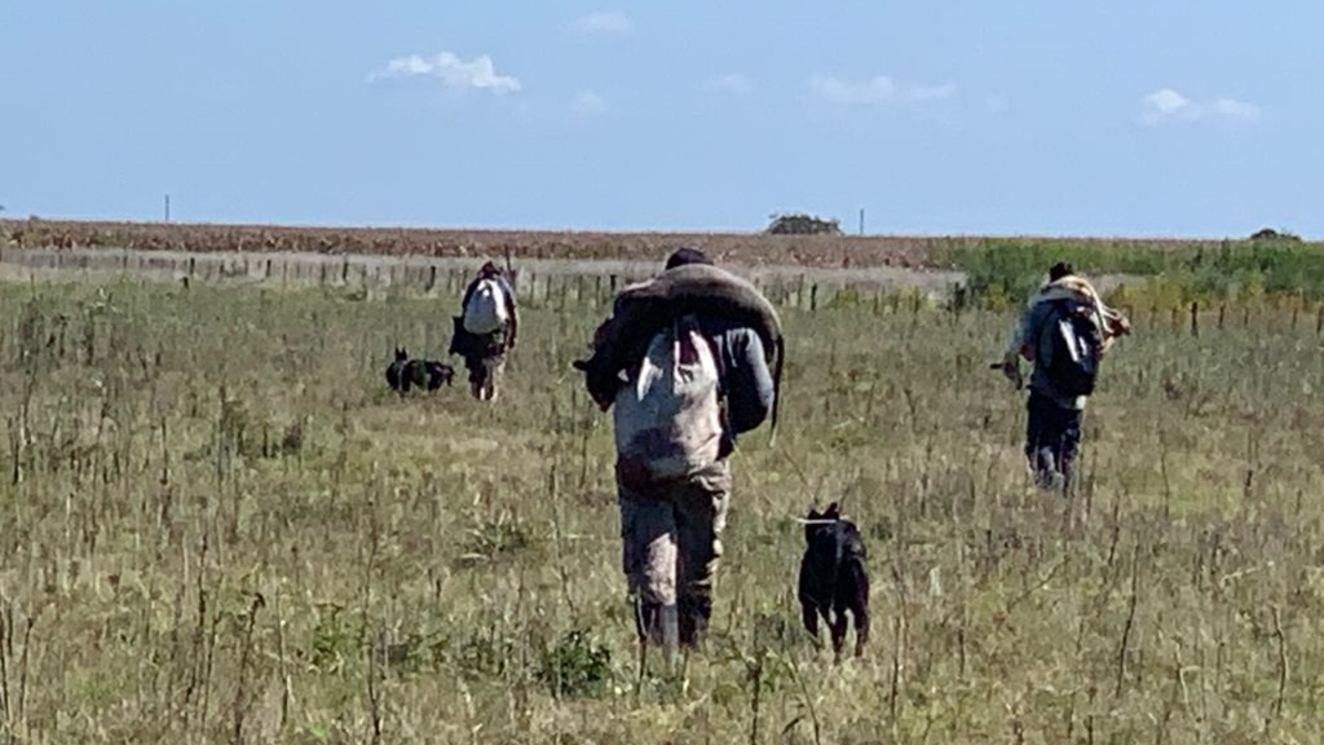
column 219, row 526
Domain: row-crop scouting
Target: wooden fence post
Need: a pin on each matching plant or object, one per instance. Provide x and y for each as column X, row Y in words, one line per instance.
column 1195, row 318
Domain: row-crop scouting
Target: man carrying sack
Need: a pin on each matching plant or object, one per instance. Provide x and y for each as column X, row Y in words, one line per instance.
column 1065, row 330
column 685, row 362
column 486, row 329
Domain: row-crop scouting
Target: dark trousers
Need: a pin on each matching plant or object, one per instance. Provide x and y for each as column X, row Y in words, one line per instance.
column 1052, row 441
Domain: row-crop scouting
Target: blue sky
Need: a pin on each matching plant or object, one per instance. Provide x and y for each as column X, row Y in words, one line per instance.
column 1132, row 117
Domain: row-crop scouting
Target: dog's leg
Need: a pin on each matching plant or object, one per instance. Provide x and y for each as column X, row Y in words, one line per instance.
column 809, row 614
column 838, row 628
column 860, row 610
column 861, row 614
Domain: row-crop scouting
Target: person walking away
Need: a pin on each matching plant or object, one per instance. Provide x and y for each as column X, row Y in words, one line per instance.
column 1065, row 331
column 699, row 380
column 486, row 329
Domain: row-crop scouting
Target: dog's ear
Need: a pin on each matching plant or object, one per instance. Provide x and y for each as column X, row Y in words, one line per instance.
column 813, row 513
column 833, row 511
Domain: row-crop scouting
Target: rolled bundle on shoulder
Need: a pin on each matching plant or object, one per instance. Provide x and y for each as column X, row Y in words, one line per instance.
column 642, row 310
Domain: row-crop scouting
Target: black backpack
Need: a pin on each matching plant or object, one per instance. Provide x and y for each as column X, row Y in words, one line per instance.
column 1072, row 342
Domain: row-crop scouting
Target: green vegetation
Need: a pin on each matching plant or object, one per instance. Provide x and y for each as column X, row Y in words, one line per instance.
column 219, row 525
column 1006, row 270
column 799, row 223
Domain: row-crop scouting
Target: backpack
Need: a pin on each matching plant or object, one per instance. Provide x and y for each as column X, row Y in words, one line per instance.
column 486, row 310
column 1072, row 343
column 668, row 416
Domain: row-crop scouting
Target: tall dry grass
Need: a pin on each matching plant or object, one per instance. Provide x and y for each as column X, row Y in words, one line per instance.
column 219, row 526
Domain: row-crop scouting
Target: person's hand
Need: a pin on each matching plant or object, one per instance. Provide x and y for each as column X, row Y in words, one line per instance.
column 1121, row 326
column 1011, row 370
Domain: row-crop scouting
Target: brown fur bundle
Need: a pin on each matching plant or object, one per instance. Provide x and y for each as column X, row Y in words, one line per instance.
column 642, row 310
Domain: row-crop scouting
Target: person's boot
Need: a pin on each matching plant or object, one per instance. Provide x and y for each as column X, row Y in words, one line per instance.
column 657, row 625
column 1046, row 475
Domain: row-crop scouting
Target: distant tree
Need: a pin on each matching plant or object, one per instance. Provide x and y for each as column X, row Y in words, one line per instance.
column 802, row 224
column 1269, row 234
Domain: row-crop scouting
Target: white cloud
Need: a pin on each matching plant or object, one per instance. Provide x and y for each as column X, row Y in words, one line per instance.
column 1167, row 105
column 1236, row 109
column 453, row 72
column 605, row 23
column 877, row 90
column 1167, row 102
column 587, row 104
column 733, row 83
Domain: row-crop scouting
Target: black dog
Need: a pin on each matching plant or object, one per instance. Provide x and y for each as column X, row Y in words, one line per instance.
column 834, row 578
column 428, row 374
column 404, row 373
column 395, row 372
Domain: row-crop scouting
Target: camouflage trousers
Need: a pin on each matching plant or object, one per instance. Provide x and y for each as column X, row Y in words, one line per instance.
column 671, row 545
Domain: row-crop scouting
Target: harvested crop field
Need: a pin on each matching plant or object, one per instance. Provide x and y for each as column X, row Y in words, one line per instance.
column 748, row 249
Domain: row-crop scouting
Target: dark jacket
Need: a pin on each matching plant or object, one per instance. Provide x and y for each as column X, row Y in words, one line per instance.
column 1034, row 325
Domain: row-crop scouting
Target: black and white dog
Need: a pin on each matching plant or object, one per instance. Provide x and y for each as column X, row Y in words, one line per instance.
column 428, row 374
column 395, row 372
column 404, row 373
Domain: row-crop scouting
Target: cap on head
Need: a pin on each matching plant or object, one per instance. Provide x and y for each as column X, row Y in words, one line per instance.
column 1059, row 270
column 683, row 256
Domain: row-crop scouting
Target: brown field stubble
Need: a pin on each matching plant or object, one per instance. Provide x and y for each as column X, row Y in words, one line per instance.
column 749, row 249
